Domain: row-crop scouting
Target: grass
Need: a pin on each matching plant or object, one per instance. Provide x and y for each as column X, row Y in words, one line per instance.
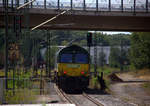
column 2, row 73
column 94, row 83
column 20, row 96
column 146, row 87
column 25, row 90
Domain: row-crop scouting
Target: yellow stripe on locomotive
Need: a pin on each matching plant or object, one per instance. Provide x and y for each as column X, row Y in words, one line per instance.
column 74, row 70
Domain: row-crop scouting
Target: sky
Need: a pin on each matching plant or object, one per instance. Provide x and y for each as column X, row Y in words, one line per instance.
column 111, row 32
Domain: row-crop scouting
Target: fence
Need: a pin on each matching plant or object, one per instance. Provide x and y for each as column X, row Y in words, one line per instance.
column 24, row 90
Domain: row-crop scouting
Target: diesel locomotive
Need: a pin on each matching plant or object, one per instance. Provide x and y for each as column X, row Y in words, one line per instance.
column 72, row 67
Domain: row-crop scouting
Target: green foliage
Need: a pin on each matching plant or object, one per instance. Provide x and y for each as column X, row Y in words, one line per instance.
column 114, row 58
column 30, row 42
column 102, row 60
column 52, row 59
column 94, row 83
column 140, row 50
column 119, row 56
column 113, row 40
column 21, row 96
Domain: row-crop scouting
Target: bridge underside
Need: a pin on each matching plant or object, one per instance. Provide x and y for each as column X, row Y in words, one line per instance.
column 87, row 20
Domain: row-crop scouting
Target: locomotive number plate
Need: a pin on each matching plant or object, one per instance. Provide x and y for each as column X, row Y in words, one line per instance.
column 73, row 65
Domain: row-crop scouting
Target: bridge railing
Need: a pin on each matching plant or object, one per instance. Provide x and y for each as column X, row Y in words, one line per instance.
column 91, row 5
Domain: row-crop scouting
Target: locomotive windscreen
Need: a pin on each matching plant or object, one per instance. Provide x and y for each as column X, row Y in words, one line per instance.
column 66, row 58
column 81, row 58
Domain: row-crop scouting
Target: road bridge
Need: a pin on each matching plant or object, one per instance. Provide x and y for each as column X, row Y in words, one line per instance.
column 86, row 15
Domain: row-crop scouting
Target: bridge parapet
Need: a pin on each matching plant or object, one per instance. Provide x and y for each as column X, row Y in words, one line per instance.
column 84, row 17
column 85, row 5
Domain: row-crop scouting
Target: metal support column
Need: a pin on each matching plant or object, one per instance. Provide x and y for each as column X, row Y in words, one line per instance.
column 58, row 4
column 84, row 6
column 109, row 5
column 12, row 6
column 134, row 6
column 44, row 4
column 17, row 3
column 89, row 49
column 96, row 5
column 146, row 6
column 121, row 55
column 49, row 53
column 6, row 41
column 122, row 5
column 31, row 4
column 71, row 4
column 95, row 55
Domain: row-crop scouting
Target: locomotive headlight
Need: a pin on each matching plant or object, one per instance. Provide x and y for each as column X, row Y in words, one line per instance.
column 82, row 72
column 65, row 72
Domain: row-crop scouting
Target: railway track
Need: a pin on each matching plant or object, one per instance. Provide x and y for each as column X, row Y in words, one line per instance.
column 78, row 99
column 63, row 95
column 92, row 99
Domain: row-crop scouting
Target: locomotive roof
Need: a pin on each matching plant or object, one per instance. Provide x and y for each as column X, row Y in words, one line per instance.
column 72, row 48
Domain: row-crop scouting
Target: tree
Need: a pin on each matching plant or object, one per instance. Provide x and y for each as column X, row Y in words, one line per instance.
column 140, row 50
column 53, row 54
column 114, row 58
column 102, row 60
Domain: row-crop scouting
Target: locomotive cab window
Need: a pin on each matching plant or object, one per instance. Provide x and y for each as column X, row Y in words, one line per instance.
column 66, row 58
column 81, row 58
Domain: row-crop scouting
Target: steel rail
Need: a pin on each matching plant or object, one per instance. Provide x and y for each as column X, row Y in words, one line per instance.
column 61, row 93
column 92, row 100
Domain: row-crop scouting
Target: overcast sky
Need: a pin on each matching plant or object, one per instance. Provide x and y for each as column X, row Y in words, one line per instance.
column 111, row 32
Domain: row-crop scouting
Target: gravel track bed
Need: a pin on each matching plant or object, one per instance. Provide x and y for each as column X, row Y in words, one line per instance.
column 52, row 97
column 109, row 100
